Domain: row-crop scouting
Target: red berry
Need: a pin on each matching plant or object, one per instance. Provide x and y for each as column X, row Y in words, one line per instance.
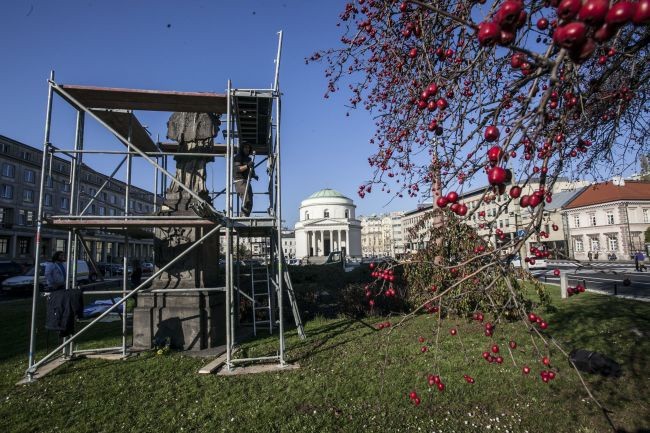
column 543, row 325
column 499, row 360
column 497, row 175
column 442, row 103
column 556, row 272
column 513, row 344
column 453, row 331
column 492, row 134
column 468, row 379
column 542, row 24
column 568, row 9
column 421, row 339
column 546, row 361
column 515, row 192
column 413, row 395
column 452, row 197
column 526, row 369
column 489, row 33
column 495, row 348
column 532, row 317
column 621, row 13
column 441, row 386
column 570, row 35
column 442, row 202
column 416, row 400
column 593, row 12
column 423, row 349
column 508, row 13
column 642, row 15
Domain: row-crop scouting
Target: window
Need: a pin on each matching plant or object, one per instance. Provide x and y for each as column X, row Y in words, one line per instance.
column 347, row 213
column 113, row 199
column 507, row 222
column 104, row 196
column 8, row 170
column 6, row 217
column 65, row 187
column 47, row 200
column 29, row 176
column 24, row 245
column 5, row 148
column 579, row 247
column 592, row 219
column 646, row 216
column 92, row 192
column 102, row 210
column 576, row 221
column 61, row 245
column 326, row 213
column 111, row 211
column 49, row 182
column 28, row 196
column 64, row 203
column 306, row 215
column 613, row 242
column 595, row 244
column 27, row 156
column 7, row 191
column 22, row 217
column 4, row 245
column 610, row 217
column 93, row 209
column 30, row 218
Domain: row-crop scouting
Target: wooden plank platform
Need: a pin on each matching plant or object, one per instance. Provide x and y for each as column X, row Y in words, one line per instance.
column 44, row 370
column 257, row 368
column 148, row 100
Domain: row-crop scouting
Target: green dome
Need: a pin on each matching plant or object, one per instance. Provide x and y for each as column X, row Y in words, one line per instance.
column 327, row 193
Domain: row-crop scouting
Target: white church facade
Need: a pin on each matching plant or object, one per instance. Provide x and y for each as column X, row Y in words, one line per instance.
column 327, row 223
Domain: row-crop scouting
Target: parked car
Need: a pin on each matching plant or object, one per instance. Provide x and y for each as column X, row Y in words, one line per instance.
column 26, row 281
column 147, row 267
column 294, row 262
column 533, row 263
column 9, row 269
column 119, row 270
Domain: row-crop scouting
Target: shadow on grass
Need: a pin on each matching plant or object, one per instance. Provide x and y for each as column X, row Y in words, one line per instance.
column 617, row 328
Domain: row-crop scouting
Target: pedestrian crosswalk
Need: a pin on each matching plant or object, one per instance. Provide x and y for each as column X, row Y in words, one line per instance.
column 568, row 263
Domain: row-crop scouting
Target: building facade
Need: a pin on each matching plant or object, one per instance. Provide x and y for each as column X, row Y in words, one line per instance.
column 20, row 171
column 327, row 223
column 609, row 219
column 488, row 216
column 381, row 235
column 289, row 244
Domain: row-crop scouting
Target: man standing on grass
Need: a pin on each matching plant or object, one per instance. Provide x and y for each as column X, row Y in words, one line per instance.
column 55, row 272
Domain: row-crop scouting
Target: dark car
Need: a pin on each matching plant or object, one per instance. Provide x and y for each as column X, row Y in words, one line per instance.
column 9, row 269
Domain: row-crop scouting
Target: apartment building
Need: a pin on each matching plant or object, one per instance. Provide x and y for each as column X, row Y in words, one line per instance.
column 20, row 171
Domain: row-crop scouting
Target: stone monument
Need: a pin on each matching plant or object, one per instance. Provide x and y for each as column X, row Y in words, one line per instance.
column 187, row 320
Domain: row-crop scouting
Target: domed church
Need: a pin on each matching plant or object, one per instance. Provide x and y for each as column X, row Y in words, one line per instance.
column 327, row 223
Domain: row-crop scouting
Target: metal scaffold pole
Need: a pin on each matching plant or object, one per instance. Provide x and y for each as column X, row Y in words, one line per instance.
column 127, row 209
column 39, row 224
column 228, row 267
column 278, row 213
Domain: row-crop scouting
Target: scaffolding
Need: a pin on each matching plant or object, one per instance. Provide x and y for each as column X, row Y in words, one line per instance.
column 252, row 116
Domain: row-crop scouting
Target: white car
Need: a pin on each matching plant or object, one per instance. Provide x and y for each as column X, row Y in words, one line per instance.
column 534, row 263
column 26, row 281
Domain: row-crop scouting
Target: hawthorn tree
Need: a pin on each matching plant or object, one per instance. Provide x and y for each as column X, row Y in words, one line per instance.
column 507, row 93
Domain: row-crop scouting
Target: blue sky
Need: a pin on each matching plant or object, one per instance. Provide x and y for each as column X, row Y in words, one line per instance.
column 190, row 46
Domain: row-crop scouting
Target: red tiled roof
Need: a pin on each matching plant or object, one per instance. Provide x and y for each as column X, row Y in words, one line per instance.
column 608, row 192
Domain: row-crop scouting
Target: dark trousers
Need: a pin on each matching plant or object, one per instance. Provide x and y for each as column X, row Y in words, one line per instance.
column 247, row 201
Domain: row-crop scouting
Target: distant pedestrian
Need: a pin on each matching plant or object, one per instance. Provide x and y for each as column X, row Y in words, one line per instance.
column 589, row 255
column 136, row 274
column 636, row 261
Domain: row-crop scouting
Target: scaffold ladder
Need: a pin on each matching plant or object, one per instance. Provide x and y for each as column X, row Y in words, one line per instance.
column 261, row 294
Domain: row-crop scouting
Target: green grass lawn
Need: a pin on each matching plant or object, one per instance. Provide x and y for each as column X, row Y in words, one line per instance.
column 353, row 378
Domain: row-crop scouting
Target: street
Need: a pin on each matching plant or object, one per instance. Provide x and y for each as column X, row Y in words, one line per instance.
column 600, row 277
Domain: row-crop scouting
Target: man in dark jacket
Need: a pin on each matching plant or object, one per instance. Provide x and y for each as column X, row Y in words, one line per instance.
column 244, row 171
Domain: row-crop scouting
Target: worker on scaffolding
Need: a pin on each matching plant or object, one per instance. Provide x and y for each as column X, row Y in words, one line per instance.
column 244, row 168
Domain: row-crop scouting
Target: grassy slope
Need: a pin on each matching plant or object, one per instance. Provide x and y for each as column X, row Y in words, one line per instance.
column 352, row 378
